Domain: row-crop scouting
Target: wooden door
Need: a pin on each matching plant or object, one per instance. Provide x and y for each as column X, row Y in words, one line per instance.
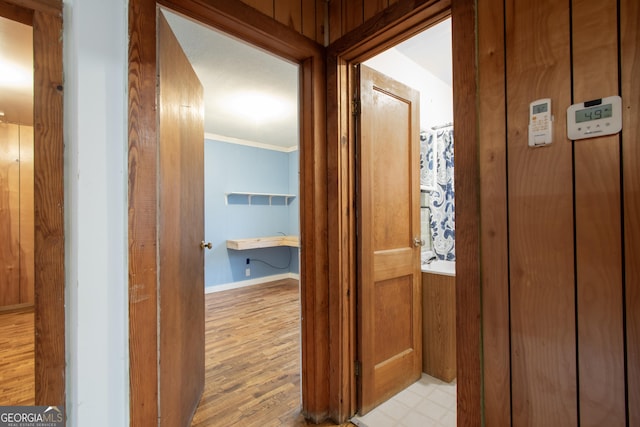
column 181, row 229
column 389, row 288
column 16, row 215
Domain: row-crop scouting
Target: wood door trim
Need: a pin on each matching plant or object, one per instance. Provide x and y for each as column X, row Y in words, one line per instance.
column 243, row 21
column 9, row 10
column 250, row 25
column 468, row 282
column 51, row 7
column 49, row 208
column 384, row 30
column 49, row 315
column 494, row 218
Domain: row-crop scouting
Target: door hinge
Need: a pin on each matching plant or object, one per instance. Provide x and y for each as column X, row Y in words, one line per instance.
column 355, row 107
column 357, row 366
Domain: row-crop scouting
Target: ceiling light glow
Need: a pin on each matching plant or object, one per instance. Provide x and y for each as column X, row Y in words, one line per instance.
column 12, row 75
column 259, row 107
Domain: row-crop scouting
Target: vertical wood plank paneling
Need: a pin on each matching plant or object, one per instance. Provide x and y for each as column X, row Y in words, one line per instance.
column 264, row 6
column 310, row 28
column 465, row 115
column 630, row 70
column 48, row 207
column 493, row 213
column 322, row 22
column 598, row 223
column 143, row 320
column 540, row 219
column 307, row 17
column 9, row 214
column 371, row 7
column 289, row 13
column 335, row 20
column 26, row 215
column 353, row 14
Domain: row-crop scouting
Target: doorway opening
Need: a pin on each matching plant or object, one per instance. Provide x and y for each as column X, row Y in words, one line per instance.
column 32, row 116
column 251, row 266
column 143, row 181
column 424, row 63
column 16, row 214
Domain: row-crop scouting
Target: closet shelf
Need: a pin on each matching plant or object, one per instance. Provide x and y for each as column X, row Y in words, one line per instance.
column 263, row 242
column 262, row 196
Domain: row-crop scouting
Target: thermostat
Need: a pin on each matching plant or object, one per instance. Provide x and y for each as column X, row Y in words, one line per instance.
column 595, row 118
column 540, row 123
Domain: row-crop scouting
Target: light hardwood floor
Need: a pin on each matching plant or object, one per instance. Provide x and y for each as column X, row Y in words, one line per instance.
column 17, row 385
column 252, row 361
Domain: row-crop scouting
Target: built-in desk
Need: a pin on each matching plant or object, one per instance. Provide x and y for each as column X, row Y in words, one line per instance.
column 263, row 242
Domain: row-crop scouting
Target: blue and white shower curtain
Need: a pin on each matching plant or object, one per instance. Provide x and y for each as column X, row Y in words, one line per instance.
column 436, row 151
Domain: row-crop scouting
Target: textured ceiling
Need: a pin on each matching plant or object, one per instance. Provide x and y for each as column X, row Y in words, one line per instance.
column 230, row 69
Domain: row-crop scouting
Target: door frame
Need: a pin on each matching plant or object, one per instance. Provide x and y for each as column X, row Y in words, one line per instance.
column 398, row 23
column 45, row 17
column 241, row 21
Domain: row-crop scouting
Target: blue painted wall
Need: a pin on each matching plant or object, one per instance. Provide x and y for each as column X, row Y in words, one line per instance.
column 233, row 167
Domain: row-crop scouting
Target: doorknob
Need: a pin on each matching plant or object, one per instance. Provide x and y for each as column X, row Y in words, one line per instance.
column 417, row 242
column 207, row 245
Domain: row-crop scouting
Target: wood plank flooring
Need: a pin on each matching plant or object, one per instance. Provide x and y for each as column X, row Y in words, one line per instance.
column 252, row 359
column 17, row 380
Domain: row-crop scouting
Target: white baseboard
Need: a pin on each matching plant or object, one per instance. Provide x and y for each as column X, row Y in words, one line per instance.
column 250, row 282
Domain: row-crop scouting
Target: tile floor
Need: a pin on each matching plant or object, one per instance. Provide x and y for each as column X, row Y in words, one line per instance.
column 428, row 402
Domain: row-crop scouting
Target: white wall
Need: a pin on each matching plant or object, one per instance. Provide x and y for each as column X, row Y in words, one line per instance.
column 436, row 96
column 95, row 128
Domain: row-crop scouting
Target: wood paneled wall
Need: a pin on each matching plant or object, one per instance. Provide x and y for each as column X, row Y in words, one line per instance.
column 629, row 34
column 324, row 21
column 560, row 225
column 16, row 215
column 560, row 232
column 307, row 17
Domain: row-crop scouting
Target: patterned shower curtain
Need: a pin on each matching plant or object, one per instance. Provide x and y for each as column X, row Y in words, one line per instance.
column 437, row 152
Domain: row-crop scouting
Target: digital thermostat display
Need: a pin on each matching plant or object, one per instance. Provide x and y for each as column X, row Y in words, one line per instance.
column 594, row 118
column 594, row 113
column 540, row 108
